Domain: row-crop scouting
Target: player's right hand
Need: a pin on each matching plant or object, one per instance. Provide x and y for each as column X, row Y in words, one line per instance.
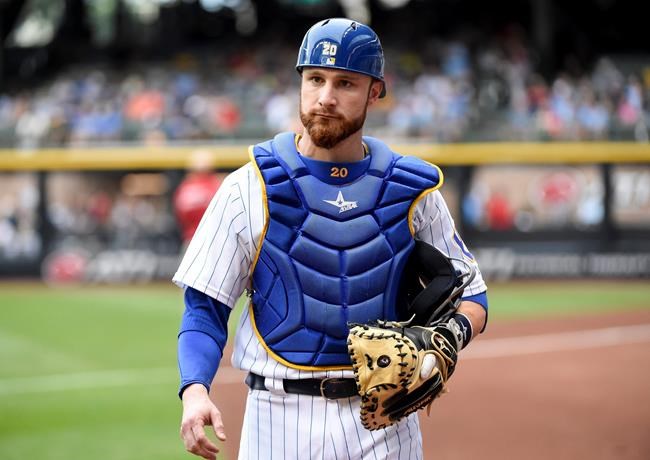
column 199, row 411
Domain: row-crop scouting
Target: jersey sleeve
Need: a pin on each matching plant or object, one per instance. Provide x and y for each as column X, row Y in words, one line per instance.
column 217, row 260
column 433, row 224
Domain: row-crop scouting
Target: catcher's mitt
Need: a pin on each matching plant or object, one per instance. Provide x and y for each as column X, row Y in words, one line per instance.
column 387, row 359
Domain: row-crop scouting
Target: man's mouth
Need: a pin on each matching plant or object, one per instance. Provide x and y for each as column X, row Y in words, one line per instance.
column 325, row 115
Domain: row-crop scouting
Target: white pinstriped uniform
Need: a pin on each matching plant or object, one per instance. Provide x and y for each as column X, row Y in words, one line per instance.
column 218, row 262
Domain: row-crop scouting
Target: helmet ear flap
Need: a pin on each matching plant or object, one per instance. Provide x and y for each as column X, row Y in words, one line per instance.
column 427, row 284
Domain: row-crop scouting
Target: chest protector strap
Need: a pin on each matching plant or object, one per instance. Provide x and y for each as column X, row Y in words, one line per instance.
column 333, row 252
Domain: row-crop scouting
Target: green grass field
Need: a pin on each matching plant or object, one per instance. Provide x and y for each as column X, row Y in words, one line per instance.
column 90, row 373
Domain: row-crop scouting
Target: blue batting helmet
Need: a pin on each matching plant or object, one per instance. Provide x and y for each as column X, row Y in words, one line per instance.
column 343, row 44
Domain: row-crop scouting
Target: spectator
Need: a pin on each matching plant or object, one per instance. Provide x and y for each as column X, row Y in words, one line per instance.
column 195, row 192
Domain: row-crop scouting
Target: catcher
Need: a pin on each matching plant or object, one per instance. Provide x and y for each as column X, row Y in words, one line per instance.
column 320, row 228
column 402, row 366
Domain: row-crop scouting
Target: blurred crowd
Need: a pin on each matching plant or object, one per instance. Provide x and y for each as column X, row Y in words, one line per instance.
column 445, row 91
column 108, row 212
column 18, row 217
column 95, row 226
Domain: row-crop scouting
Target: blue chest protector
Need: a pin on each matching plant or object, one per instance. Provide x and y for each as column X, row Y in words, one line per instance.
column 333, row 251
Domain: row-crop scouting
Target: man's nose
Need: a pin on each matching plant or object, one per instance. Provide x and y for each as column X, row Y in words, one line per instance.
column 327, row 95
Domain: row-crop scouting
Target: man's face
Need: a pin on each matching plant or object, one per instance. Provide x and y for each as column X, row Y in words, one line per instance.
column 333, row 103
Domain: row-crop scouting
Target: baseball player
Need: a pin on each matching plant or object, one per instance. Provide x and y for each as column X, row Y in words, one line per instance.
column 316, row 229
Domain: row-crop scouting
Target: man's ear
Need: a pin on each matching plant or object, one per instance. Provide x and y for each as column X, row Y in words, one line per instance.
column 375, row 90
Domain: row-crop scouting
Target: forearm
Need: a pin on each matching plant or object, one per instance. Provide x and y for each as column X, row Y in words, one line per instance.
column 202, row 337
column 470, row 319
column 198, row 359
column 475, row 313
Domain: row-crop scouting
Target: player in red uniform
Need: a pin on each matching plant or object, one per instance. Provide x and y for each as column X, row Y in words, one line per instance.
column 193, row 195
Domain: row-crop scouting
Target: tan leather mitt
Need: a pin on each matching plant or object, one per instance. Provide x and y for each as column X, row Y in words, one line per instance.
column 387, row 360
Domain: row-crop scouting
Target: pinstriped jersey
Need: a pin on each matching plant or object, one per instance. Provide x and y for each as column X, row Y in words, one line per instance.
column 218, row 260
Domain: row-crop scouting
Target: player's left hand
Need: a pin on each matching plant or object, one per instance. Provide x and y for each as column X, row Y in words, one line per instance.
column 399, row 369
column 198, row 412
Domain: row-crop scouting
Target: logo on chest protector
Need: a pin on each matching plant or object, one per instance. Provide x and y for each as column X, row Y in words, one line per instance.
column 341, row 203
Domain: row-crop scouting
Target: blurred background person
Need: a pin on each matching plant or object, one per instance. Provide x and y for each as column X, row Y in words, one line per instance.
column 195, row 192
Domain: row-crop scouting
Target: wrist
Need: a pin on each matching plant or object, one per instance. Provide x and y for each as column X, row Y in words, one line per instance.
column 194, row 390
column 462, row 328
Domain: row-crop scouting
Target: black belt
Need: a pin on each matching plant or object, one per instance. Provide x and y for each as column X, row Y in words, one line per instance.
column 330, row 388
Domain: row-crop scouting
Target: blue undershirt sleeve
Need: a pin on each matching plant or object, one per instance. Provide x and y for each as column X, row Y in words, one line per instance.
column 480, row 299
column 201, row 339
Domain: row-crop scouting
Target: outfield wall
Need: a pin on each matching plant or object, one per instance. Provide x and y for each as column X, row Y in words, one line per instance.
column 526, row 210
column 230, row 156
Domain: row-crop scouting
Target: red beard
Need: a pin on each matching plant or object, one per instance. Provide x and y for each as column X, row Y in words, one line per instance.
column 328, row 132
